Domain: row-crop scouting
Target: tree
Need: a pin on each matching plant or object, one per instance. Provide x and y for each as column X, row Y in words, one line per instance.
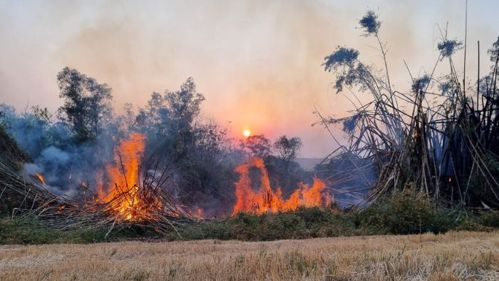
column 86, row 103
column 287, row 148
column 169, row 120
column 41, row 113
column 172, row 113
column 257, row 146
column 195, row 155
column 183, row 106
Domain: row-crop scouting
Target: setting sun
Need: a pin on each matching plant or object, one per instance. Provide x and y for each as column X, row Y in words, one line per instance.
column 246, row 133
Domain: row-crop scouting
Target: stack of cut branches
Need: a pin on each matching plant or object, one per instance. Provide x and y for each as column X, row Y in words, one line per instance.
column 146, row 206
column 26, row 194
column 444, row 142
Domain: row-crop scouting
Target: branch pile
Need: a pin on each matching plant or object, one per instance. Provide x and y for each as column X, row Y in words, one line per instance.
column 441, row 137
column 157, row 210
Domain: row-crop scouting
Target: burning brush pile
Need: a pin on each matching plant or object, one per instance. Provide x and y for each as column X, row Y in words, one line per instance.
column 126, row 196
column 131, row 197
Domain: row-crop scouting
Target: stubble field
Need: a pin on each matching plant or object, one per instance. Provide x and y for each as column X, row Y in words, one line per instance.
column 452, row 256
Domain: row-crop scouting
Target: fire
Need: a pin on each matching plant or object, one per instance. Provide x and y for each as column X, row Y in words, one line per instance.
column 40, row 178
column 198, row 213
column 266, row 200
column 124, row 194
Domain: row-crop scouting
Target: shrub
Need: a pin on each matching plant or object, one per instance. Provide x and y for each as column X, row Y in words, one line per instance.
column 489, row 218
column 444, row 220
column 282, row 226
column 403, row 212
column 245, row 226
column 28, row 230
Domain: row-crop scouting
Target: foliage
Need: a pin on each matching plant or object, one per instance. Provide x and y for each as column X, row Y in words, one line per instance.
column 349, row 71
column 86, row 103
column 29, row 230
column 494, row 51
column 183, row 106
column 299, row 224
column 195, row 155
column 340, row 57
column 402, row 213
column 350, row 123
column 409, row 211
column 420, row 84
column 42, row 113
column 489, row 218
column 448, row 47
column 287, row 148
column 256, row 145
column 370, row 23
column 173, row 114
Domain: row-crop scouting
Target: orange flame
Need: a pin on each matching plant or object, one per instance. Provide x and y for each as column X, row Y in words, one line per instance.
column 266, row 200
column 123, row 193
column 40, row 178
column 198, row 213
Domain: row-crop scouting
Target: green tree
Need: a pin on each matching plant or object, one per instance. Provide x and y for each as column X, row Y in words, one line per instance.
column 287, row 148
column 170, row 119
column 257, row 146
column 86, row 103
column 183, row 106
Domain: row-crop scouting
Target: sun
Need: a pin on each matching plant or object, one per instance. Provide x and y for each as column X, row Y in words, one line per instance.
column 246, row 133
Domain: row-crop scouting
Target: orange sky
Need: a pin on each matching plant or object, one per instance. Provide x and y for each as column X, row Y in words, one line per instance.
column 258, row 63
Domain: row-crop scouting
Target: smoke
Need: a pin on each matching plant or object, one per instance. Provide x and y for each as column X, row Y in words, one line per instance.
column 54, row 155
column 32, row 169
column 350, row 177
column 64, row 164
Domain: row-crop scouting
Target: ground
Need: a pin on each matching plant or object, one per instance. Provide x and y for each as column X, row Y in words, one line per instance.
column 451, row 256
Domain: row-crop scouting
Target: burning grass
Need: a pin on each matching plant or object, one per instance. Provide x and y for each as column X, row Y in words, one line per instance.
column 266, row 200
column 453, row 256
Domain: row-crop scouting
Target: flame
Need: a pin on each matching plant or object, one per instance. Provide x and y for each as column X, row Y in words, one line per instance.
column 266, row 200
column 40, row 178
column 124, row 194
column 198, row 213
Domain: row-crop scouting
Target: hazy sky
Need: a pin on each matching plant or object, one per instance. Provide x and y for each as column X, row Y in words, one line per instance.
column 258, row 63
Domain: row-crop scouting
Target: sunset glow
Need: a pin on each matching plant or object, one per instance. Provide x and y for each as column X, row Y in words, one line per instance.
column 246, row 77
column 246, row 133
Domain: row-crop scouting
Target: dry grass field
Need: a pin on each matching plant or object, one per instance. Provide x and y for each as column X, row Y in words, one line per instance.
column 453, row 256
